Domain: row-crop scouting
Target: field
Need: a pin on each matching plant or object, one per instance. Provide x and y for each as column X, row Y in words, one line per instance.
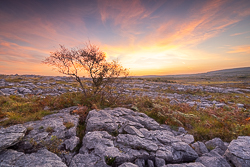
column 191, row 102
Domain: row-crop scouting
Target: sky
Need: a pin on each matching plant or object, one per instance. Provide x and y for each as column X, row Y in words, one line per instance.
column 149, row 37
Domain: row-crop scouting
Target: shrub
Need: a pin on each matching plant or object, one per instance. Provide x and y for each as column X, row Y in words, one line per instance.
column 106, row 77
column 29, row 128
column 68, row 125
column 49, row 129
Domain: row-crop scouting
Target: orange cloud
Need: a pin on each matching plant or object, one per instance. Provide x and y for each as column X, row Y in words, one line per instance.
column 240, row 49
column 241, row 33
column 141, row 34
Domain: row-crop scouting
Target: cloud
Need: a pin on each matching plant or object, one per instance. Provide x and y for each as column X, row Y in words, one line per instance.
column 241, row 33
column 138, row 32
column 240, row 49
column 178, row 35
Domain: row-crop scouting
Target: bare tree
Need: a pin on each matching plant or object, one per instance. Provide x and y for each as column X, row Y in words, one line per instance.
column 105, row 75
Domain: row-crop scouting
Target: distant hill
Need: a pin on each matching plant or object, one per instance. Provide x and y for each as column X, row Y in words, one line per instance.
column 224, row 72
column 232, row 71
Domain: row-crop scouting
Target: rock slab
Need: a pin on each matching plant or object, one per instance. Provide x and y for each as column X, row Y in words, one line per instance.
column 238, row 151
column 11, row 135
column 116, row 136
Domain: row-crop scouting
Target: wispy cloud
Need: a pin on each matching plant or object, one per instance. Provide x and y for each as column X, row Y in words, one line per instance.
column 240, row 49
column 137, row 32
column 241, row 33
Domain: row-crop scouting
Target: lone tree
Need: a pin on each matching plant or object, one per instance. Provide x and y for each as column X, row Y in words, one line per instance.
column 105, row 75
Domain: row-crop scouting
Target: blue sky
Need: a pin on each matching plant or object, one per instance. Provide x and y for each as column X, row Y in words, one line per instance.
column 150, row 37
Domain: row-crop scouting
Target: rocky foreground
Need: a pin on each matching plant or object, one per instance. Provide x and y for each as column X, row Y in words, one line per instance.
column 114, row 137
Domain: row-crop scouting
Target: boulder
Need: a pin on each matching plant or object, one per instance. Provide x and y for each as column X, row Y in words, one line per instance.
column 187, row 138
column 194, row 164
column 211, row 144
column 159, row 162
column 41, row 158
column 52, row 128
column 116, row 136
column 200, row 148
column 11, row 135
column 128, row 164
column 213, row 159
column 71, row 143
column 238, row 152
column 140, row 162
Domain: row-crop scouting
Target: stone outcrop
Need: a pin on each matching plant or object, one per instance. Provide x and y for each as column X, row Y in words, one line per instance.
column 51, row 128
column 213, row 159
column 31, row 149
column 200, row 148
column 216, row 142
column 42, row 158
column 238, row 152
column 11, row 135
column 114, row 137
column 122, row 135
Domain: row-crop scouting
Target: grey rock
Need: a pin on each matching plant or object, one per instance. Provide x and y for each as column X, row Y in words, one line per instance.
column 21, row 89
column 219, row 151
column 187, row 138
column 216, row 142
column 51, row 127
column 67, row 157
column 183, row 152
column 194, row 164
column 220, row 105
column 84, row 160
column 140, row 162
column 39, row 92
column 159, row 162
column 11, row 135
column 213, row 159
column 165, row 137
column 42, row 158
column 128, row 164
column 97, row 139
column 142, row 141
column 240, row 105
column 191, row 103
column 132, row 130
column 6, row 90
column 136, row 142
column 238, row 151
column 200, row 148
column 167, row 154
column 1, row 93
column 181, row 130
column 9, row 157
column 150, row 163
column 99, row 144
column 71, row 143
column 226, row 144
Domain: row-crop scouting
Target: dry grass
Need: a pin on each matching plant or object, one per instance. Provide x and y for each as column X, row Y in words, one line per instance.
column 68, row 125
column 226, row 123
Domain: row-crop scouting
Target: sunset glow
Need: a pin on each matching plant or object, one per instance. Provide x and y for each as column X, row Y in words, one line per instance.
column 150, row 37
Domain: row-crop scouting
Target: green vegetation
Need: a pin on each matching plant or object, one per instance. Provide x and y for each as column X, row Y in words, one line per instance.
column 53, row 144
column 109, row 160
column 68, row 125
column 226, row 123
column 50, row 129
column 29, row 128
